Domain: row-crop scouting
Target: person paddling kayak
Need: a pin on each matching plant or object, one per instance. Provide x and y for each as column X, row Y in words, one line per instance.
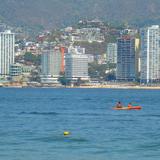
column 119, row 105
column 129, row 105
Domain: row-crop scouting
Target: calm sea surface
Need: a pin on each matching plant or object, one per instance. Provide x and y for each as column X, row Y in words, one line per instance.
column 32, row 122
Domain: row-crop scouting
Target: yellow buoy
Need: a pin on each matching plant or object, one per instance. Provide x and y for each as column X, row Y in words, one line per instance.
column 66, row 133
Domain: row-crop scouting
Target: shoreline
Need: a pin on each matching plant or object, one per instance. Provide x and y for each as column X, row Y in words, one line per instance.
column 119, row 87
column 114, row 86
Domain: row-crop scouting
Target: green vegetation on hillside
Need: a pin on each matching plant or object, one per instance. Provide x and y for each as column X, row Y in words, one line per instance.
column 99, row 71
column 35, row 59
column 94, row 48
column 55, row 13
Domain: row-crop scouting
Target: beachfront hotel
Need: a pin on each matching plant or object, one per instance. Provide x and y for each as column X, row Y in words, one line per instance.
column 51, row 60
column 150, row 54
column 76, row 65
column 7, row 51
column 126, row 59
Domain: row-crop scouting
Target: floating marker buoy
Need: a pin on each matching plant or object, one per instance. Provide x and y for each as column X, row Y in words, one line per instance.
column 66, row 133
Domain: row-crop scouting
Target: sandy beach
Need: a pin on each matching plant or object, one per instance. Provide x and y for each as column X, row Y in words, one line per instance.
column 117, row 87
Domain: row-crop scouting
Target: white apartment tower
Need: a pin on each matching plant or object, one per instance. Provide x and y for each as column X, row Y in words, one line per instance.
column 112, row 53
column 150, row 54
column 7, row 52
column 76, row 65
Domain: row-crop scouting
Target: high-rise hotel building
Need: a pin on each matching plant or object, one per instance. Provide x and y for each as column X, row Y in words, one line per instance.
column 150, row 54
column 51, row 64
column 76, row 64
column 7, row 51
column 126, row 59
column 111, row 55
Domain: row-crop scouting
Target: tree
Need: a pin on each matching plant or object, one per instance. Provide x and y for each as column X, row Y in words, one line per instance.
column 63, row 80
column 35, row 59
column 99, row 70
column 35, row 76
column 110, row 76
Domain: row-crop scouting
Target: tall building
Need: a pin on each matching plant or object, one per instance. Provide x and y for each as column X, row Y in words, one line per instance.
column 7, row 52
column 150, row 54
column 51, row 62
column 126, row 59
column 137, row 58
column 111, row 53
column 62, row 50
column 76, row 65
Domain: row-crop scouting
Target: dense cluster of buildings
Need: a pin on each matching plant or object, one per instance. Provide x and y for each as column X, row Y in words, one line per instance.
column 87, row 34
column 55, row 63
column 137, row 58
column 142, row 64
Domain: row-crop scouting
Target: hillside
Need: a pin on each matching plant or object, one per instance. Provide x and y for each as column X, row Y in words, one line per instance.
column 52, row 13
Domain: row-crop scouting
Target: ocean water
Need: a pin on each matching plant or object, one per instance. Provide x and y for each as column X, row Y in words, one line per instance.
column 32, row 122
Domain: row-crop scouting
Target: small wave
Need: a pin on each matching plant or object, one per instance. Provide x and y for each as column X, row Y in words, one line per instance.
column 151, row 115
column 56, row 98
column 122, row 120
column 87, row 99
column 60, row 139
column 45, row 139
column 151, row 146
column 99, row 152
column 39, row 113
column 80, row 140
column 88, row 114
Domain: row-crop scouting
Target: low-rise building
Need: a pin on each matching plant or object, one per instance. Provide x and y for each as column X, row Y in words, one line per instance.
column 16, row 72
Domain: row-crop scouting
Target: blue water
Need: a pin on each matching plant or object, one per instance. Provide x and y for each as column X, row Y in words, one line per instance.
column 32, row 122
